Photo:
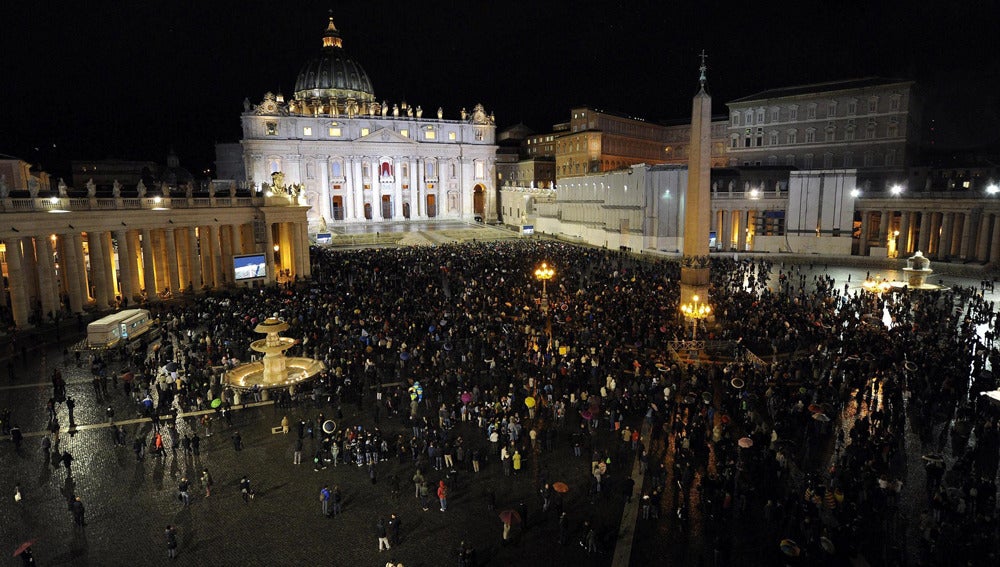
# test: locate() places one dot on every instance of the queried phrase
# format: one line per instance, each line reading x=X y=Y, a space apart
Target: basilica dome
x=332 y=74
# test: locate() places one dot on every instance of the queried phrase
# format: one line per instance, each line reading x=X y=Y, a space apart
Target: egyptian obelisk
x=697 y=206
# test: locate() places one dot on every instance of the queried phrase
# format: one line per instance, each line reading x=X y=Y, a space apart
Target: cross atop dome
x=332 y=37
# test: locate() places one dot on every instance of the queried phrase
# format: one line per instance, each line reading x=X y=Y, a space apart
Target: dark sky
x=132 y=79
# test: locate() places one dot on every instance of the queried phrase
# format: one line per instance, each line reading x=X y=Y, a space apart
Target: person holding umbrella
x=24 y=550
x=509 y=518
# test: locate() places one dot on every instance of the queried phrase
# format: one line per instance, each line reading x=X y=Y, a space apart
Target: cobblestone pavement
x=129 y=503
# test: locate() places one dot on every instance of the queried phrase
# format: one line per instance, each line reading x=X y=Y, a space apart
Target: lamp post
x=544 y=273
x=695 y=311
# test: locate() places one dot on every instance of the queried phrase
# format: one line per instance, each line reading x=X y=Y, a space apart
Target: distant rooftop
x=821 y=87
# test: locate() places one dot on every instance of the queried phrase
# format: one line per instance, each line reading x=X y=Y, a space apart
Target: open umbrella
x=404 y=356
x=706 y=397
x=827 y=545
x=690 y=399
x=994 y=395
x=821 y=417
x=329 y=426
x=816 y=408
x=737 y=383
x=466 y=397
x=790 y=548
x=529 y=402
x=745 y=442
x=560 y=487
x=21 y=548
x=910 y=365
x=171 y=367
x=216 y=403
x=510 y=517
x=585 y=414
x=933 y=458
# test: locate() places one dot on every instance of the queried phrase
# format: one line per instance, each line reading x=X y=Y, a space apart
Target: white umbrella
x=994 y=395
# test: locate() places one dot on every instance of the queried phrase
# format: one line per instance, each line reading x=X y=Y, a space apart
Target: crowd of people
x=798 y=440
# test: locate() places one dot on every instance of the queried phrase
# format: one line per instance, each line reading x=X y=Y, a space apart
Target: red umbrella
x=510 y=517
x=466 y=397
x=745 y=442
x=24 y=546
x=585 y=414
x=560 y=487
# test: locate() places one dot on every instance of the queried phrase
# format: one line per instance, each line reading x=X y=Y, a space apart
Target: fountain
x=917 y=270
x=275 y=370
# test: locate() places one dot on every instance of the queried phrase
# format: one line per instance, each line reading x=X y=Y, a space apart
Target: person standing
x=324 y=499
x=171 y=535
x=337 y=498
x=423 y=492
x=237 y=441
x=442 y=493
x=207 y=481
x=380 y=532
x=182 y=489
x=78 y=512
x=297 y=456
x=195 y=443
x=394 y=526
x=245 y=489
x=284 y=425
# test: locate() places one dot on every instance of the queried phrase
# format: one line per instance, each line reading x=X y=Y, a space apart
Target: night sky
x=133 y=79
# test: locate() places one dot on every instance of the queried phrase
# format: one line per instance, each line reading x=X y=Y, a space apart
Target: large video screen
x=249 y=267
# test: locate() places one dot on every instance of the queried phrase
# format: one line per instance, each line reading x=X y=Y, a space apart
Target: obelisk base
x=694 y=281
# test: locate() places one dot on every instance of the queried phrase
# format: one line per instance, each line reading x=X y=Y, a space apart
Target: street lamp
x=992 y=189
x=695 y=311
x=544 y=272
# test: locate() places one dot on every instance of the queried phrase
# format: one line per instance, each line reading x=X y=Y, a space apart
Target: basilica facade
x=354 y=159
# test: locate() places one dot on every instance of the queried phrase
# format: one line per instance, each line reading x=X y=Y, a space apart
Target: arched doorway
x=368 y=211
x=386 y=207
x=479 y=200
x=406 y=210
x=431 y=208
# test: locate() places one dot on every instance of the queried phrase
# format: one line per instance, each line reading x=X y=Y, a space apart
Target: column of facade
x=982 y=252
x=226 y=243
x=295 y=237
x=126 y=264
x=359 y=189
x=82 y=275
x=237 y=230
x=865 y=227
x=306 y=262
x=935 y=243
x=72 y=265
x=944 y=249
x=46 y=276
x=324 y=192
x=97 y=272
x=924 y=229
x=741 y=230
x=417 y=190
x=725 y=230
x=958 y=228
x=135 y=264
x=15 y=281
x=216 y=256
x=966 y=241
x=109 y=263
x=902 y=242
x=183 y=258
x=170 y=260
x=148 y=270
x=194 y=258
x=913 y=232
x=414 y=185
x=205 y=248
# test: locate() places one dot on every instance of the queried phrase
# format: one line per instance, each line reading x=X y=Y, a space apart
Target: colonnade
x=49 y=274
x=734 y=228
x=964 y=235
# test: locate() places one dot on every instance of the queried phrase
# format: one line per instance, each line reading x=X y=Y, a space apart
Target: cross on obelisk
x=703 y=68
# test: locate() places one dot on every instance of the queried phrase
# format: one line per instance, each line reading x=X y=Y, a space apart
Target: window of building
x=890 y=157
x=811 y=112
x=335 y=132
x=894 y=101
x=759 y=139
x=310 y=170
x=404 y=133
x=734 y=142
x=365 y=132
x=366 y=171
x=807 y=161
x=735 y=120
x=872 y=104
x=848 y=159
x=452 y=136
x=831 y=109
x=772 y=139
x=793 y=113
x=271 y=128
x=810 y=136
x=405 y=169
x=748 y=118
x=430 y=135
x=760 y=116
x=790 y=160
x=430 y=169
x=849 y=133
x=892 y=130
x=870 y=130
x=307 y=131
x=827 y=160
x=867 y=159
x=479 y=134
x=452 y=170
x=772 y=160
x=336 y=169
x=793 y=136
x=775 y=114
x=274 y=165
x=852 y=107
x=830 y=134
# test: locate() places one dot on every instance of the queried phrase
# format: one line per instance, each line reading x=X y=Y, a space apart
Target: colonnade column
x=925 y=232
x=944 y=241
x=226 y=245
x=97 y=272
x=15 y=280
x=194 y=258
x=237 y=230
x=982 y=254
x=865 y=228
x=304 y=239
x=903 y=241
x=966 y=241
x=148 y=271
x=216 y=256
x=726 y=230
x=883 y=228
x=741 y=230
x=46 y=276
x=72 y=265
x=134 y=248
x=324 y=191
x=126 y=265
x=82 y=272
x=109 y=265
x=183 y=258
x=171 y=260
x=995 y=247
x=957 y=228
